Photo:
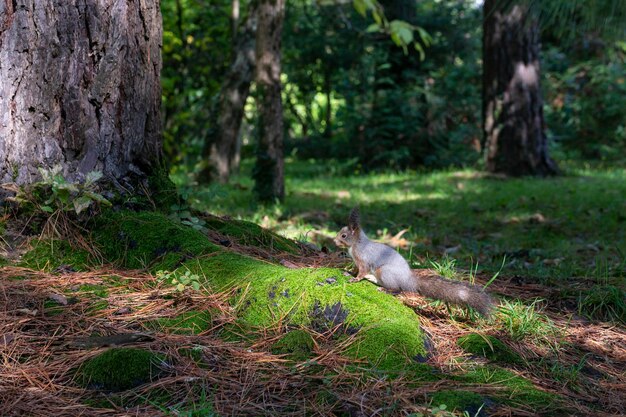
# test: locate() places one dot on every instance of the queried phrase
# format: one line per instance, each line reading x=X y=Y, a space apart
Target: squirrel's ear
x=354 y=221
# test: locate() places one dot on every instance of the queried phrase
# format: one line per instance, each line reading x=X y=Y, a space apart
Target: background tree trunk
x=269 y=171
x=221 y=150
x=513 y=124
x=79 y=87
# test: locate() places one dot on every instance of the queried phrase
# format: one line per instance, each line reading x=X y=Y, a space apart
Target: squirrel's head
x=349 y=235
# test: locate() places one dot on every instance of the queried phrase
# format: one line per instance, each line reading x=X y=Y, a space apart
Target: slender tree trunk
x=328 y=90
x=515 y=139
x=268 y=171
x=80 y=88
x=221 y=148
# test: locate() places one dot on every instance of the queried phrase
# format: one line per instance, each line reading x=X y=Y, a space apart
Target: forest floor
x=556 y=346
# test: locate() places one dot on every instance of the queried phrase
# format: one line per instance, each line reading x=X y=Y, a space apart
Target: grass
x=548 y=229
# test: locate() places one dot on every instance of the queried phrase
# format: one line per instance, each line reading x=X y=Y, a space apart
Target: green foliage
x=54 y=193
x=196 y=54
x=119 y=369
x=182 y=281
x=586 y=104
x=388 y=109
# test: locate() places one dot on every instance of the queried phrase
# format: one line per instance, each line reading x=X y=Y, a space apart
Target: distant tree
x=269 y=168
x=513 y=122
x=80 y=88
x=221 y=151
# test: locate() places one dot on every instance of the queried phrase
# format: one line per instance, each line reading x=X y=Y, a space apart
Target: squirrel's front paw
x=356 y=279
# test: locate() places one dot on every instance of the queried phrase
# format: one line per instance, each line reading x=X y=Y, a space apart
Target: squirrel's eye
x=344 y=236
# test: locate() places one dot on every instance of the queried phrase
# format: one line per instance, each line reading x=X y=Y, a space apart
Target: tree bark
x=513 y=124
x=80 y=88
x=221 y=148
x=269 y=171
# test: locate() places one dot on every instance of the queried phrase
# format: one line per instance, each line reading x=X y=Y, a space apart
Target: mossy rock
x=489 y=347
x=139 y=240
x=456 y=400
x=389 y=331
x=120 y=369
x=251 y=234
x=297 y=345
x=48 y=255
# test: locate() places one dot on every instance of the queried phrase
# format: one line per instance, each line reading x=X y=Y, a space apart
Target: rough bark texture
x=221 y=150
x=269 y=170
x=79 y=87
x=513 y=123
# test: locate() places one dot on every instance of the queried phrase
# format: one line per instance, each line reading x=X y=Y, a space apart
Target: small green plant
x=446 y=267
x=604 y=302
x=55 y=194
x=181 y=282
x=182 y=213
x=525 y=321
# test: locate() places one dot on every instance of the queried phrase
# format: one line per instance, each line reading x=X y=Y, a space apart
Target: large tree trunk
x=80 y=88
x=269 y=170
x=515 y=139
x=220 y=152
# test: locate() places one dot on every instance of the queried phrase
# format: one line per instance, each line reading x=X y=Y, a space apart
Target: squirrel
x=385 y=267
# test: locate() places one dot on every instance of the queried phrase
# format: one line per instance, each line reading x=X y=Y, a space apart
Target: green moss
x=163 y=191
x=48 y=255
x=251 y=234
x=420 y=372
x=147 y=238
x=119 y=369
x=518 y=390
x=489 y=347
x=296 y=344
x=97 y=290
x=190 y=322
x=459 y=401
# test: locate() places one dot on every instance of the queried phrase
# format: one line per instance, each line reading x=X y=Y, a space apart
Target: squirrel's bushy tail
x=456 y=292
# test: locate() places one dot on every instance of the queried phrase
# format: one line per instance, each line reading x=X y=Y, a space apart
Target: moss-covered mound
x=489 y=347
x=250 y=234
x=119 y=369
x=321 y=297
x=148 y=239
